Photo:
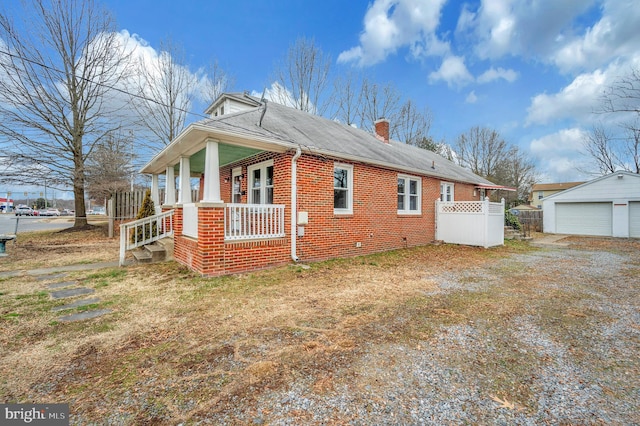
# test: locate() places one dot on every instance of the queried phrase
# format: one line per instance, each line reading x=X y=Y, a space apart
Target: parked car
x=24 y=211
x=50 y=212
x=67 y=212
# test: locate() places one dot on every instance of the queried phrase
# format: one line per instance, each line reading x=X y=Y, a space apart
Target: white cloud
x=393 y=24
x=453 y=71
x=278 y=94
x=560 y=155
x=497 y=73
x=578 y=100
x=565 y=140
x=507 y=27
x=581 y=98
x=615 y=34
x=471 y=98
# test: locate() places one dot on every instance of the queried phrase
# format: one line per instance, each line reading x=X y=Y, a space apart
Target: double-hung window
x=446 y=191
x=261 y=183
x=409 y=199
x=342 y=189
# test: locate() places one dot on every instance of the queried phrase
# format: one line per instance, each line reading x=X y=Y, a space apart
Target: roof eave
x=194 y=138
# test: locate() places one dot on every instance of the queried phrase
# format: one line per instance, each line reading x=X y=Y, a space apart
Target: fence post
x=485 y=218
x=123 y=245
x=111 y=216
x=437 y=218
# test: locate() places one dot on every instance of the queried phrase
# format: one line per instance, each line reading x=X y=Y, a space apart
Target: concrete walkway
x=551 y=240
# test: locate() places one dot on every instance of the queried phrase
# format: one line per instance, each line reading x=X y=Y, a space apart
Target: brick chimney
x=382 y=129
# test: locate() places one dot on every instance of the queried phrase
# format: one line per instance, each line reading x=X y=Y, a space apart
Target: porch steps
x=158 y=251
x=513 y=234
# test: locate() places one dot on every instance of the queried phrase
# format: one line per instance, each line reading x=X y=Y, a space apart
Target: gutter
x=294 y=203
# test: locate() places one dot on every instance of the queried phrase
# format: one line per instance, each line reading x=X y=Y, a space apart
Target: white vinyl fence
x=472 y=223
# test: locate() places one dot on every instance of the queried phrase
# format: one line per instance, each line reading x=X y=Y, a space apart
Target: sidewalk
x=57 y=269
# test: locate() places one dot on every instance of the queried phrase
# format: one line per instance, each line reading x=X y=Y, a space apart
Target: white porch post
x=184 y=191
x=211 y=174
x=170 y=187
x=155 y=193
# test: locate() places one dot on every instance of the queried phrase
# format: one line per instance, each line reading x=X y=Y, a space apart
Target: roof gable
x=626 y=184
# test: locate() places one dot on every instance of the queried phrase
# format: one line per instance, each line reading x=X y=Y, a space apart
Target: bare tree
x=481 y=150
x=304 y=74
x=378 y=102
x=110 y=166
x=56 y=70
x=412 y=126
x=632 y=147
x=347 y=99
x=517 y=171
x=617 y=146
x=599 y=145
x=623 y=96
x=216 y=81
x=164 y=93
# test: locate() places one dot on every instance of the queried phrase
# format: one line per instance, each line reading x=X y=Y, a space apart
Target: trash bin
x=3 y=243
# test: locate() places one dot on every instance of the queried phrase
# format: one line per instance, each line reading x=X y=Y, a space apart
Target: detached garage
x=606 y=206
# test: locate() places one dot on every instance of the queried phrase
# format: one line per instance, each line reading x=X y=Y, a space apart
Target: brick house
x=279 y=185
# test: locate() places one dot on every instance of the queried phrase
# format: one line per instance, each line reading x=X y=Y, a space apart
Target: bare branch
x=55 y=80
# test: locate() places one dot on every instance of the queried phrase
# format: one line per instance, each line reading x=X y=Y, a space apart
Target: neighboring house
x=539 y=191
x=606 y=206
x=278 y=184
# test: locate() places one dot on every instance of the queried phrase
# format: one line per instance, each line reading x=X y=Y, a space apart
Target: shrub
x=512 y=220
x=146 y=210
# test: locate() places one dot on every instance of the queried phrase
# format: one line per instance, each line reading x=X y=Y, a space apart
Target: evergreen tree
x=146 y=210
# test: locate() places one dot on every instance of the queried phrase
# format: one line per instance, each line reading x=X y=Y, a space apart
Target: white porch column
x=211 y=174
x=170 y=187
x=155 y=193
x=184 y=191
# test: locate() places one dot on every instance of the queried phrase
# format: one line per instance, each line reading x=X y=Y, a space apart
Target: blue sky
x=531 y=69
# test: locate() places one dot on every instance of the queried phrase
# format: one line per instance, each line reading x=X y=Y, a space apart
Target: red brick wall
x=375 y=223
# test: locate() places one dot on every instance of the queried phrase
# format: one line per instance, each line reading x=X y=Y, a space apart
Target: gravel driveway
x=546 y=337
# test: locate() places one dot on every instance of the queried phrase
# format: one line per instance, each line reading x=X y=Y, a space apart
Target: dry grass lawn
x=179 y=347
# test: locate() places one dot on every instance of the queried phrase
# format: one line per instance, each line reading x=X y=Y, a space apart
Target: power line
x=117 y=89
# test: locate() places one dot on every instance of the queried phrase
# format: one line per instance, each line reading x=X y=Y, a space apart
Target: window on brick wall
x=409 y=199
x=446 y=191
x=342 y=189
x=261 y=183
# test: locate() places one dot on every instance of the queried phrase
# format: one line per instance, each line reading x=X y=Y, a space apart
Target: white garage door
x=583 y=218
x=634 y=219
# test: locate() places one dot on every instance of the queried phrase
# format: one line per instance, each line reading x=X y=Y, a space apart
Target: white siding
x=634 y=219
x=618 y=190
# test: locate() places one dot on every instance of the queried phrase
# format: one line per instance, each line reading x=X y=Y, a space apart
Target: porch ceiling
x=227 y=154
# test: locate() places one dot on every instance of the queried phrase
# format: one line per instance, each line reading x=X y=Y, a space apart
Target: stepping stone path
x=71 y=292
x=76 y=304
x=70 y=289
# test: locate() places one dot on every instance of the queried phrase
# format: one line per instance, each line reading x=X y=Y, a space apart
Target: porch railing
x=145 y=231
x=252 y=221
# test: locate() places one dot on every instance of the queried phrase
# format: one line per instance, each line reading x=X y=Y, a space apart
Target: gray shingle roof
x=319 y=135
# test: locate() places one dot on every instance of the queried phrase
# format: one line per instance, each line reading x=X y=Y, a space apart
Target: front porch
x=237 y=225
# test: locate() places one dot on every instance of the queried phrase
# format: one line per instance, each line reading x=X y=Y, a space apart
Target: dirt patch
x=438 y=334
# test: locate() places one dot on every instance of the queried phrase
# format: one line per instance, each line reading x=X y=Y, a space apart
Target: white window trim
x=349 y=168
x=236 y=172
x=263 y=181
x=406 y=210
x=445 y=184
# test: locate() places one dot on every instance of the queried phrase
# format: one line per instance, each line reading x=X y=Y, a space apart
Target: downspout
x=294 y=204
